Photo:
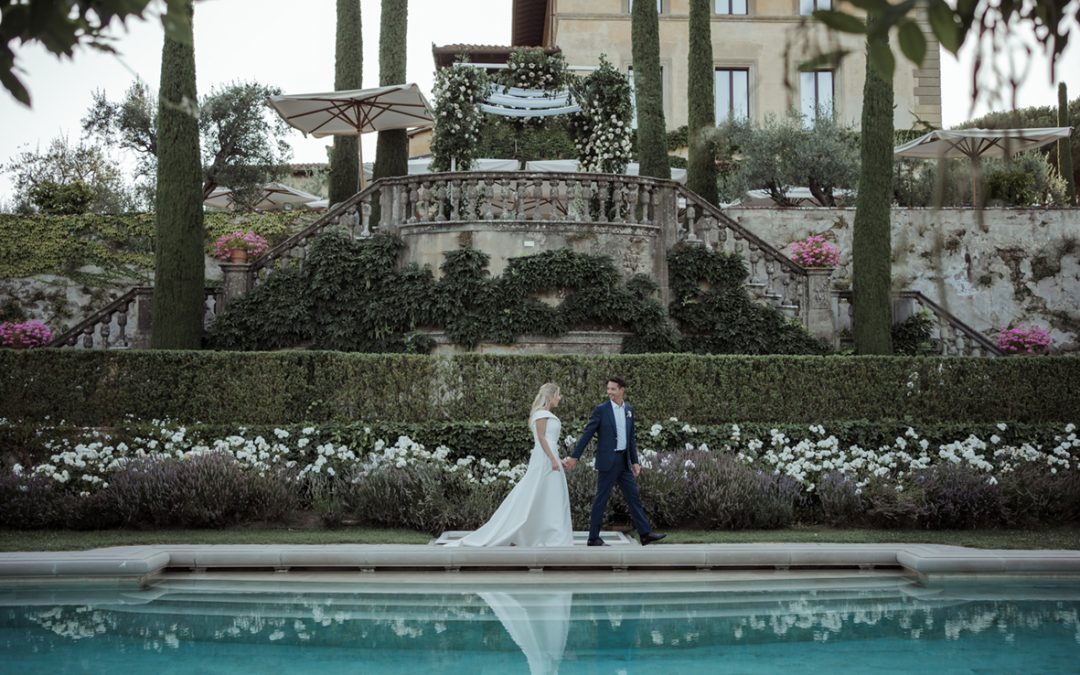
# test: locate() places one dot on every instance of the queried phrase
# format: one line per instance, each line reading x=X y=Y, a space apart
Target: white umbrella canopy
x=978 y=143
x=274 y=196
x=355 y=112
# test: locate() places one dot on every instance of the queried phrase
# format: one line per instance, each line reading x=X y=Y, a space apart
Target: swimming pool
x=630 y=622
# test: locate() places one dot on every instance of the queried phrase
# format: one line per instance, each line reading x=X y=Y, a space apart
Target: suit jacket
x=602 y=425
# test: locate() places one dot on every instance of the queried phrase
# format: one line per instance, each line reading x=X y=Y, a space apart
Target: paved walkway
x=140 y=562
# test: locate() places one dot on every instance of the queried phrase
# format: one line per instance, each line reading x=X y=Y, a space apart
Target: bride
x=537 y=510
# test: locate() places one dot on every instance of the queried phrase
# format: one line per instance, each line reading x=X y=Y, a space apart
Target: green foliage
x=716 y=316
x=701 y=171
x=458 y=91
x=68 y=178
x=1039 y=116
x=1027 y=179
x=179 y=265
x=871 y=243
x=392 y=147
x=781 y=154
x=101 y=388
x=41 y=244
x=62 y=26
x=533 y=68
x=348 y=74
x=648 y=90
x=502 y=137
x=602 y=130
x=243 y=140
x=914 y=335
x=352 y=296
x=62 y=199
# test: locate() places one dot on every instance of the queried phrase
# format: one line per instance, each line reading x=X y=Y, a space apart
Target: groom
x=616 y=461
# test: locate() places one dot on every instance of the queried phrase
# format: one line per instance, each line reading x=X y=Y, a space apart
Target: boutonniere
x=629 y=414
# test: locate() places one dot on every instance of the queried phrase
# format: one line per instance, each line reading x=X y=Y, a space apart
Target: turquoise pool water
x=543 y=623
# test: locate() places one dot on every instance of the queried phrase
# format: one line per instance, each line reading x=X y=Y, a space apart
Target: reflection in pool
x=543 y=623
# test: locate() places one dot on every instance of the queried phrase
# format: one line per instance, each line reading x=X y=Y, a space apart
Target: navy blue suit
x=612 y=467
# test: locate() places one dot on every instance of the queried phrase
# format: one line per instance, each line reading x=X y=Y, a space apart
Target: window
x=807 y=7
x=732 y=87
x=633 y=95
x=729 y=6
x=816 y=93
x=659 y=6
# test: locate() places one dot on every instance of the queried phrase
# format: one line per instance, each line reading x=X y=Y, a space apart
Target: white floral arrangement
x=459 y=89
x=602 y=130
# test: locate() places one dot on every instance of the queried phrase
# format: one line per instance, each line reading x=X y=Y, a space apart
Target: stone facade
x=993 y=269
x=769 y=41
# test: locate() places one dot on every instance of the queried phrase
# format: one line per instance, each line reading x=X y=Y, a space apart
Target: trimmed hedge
x=99 y=388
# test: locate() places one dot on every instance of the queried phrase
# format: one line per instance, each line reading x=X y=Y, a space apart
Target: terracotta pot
x=238 y=255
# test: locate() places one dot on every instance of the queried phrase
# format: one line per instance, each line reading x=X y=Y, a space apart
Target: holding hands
x=569 y=463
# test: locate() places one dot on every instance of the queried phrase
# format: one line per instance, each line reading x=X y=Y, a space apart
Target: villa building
x=757 y=48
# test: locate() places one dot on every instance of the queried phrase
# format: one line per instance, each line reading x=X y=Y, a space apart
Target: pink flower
x=28 y=334
x=815 y=251
x=249 y=241
x=1023 y=340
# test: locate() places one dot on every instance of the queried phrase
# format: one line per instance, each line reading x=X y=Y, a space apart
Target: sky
x=290 y=44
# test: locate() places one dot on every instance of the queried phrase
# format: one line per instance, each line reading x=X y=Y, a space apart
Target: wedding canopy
x=516 y=102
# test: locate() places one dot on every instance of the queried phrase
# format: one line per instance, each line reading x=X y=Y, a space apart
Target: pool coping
x=142 y=562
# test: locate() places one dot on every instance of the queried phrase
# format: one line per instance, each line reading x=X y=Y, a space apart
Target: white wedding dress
x=537 y=510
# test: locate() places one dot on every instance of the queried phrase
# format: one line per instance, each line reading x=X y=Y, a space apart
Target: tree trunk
x=178 y=300
x=348 y=74
x=392 y=151
x=648 y=91
x=701 y=118
x=1064 y=145
x=871 y=246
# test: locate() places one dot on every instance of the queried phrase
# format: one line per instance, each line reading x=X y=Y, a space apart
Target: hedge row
x=98 y=388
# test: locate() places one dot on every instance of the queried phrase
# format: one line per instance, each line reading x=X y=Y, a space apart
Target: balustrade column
x=819 y=319
x=237 y=283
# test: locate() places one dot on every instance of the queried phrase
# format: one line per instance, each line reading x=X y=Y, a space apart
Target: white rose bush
x=714 y=476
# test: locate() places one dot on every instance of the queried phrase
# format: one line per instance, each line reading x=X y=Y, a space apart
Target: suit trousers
x=621 y=475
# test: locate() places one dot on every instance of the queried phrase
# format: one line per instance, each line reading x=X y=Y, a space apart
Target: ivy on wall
x=40 y=244
x=352 y=296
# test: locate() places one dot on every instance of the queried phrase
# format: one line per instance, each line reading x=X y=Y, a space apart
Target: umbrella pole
x=974 y=182
x=360 y=152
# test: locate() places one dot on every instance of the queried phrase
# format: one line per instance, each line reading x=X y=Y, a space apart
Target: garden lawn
x=68 y=540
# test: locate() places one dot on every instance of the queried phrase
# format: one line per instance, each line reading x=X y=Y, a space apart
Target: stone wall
x=993 y=269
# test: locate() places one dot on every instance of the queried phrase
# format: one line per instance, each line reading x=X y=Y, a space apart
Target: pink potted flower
x=238 y=246
x=26 y=335
x=1024 y=340
x=815 y=251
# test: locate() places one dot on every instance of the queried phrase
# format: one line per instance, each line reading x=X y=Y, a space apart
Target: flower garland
x=602 y=129
x=458 y=91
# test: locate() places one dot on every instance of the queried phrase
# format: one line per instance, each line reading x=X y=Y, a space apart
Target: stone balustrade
x=125 y=323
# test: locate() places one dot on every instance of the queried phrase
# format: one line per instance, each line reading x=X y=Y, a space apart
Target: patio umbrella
x=978 y=143
x=355 y=112
x=273 y=196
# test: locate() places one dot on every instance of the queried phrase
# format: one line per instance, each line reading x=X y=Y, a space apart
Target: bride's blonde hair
x=548 y=391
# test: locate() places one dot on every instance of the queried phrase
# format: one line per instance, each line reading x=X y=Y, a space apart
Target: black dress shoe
x=649 y=538
x=598 y=542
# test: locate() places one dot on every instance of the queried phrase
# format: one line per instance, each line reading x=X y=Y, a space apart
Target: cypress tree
x=701 y=117
x=348 y=74
x=871 y=245
x=392 y=151
x=1064 y=145
x=178 y=251
x=648 y=90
